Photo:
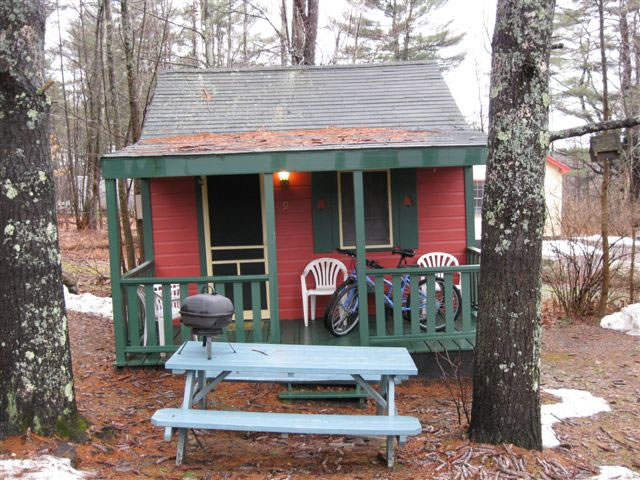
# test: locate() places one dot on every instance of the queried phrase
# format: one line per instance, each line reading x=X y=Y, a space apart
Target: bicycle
x=342 y=313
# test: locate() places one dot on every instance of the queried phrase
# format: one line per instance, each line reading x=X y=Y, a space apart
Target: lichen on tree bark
x=506 y=389
x=36 y=385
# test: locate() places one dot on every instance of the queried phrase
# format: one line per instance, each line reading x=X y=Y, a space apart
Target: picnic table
x=367 y=366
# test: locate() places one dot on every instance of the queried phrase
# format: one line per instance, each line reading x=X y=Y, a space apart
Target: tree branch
x=594 y=127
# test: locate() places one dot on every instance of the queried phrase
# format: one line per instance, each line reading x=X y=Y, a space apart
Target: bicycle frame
x=405 y=281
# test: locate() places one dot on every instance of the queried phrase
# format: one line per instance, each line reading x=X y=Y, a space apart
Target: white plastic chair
x=325 y=274
x=158 y=310
x=439 y=259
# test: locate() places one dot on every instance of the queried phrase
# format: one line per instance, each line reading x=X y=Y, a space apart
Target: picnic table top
x=280 y=358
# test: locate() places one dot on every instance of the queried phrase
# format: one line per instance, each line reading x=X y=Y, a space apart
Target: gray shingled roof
x=403 y=96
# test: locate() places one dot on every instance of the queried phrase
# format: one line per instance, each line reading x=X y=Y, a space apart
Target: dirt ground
x=123 y=444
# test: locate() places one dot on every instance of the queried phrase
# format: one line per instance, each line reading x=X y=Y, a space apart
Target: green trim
x=358 y=203
x=119 y=327
x=272 y=264
x=201 y=237
x=143 y=268
x=296 y=161
x=469 y=207
x=147 y=220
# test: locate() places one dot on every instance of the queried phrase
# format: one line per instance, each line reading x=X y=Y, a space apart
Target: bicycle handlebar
x=369 y=263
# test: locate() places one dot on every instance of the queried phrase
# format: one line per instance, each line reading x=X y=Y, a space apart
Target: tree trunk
x=207 y=32
x=117 y=139
x=36 y=385
x=604 y=190
x=284 y=34
x=135 y=126
x=94 y=93
x=310 y=32
x=297 y=32
x=506 y=382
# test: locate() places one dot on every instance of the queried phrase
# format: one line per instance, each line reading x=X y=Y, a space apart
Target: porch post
x=147 y=225
x=119 y=326
x=469 y=207
x=358 y=203
x=272 y=264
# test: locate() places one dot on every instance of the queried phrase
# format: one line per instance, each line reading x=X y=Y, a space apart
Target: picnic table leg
x=201 y=385
x=391 y=411
x=390 y=452
x=186 y=404
x=384 y=379
x=182 y=445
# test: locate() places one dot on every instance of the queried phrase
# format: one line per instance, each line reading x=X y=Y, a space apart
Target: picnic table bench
x=273 y=362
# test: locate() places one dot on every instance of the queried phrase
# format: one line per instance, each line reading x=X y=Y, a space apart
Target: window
x=478 y=192
x=390 y=204
x=377 y=209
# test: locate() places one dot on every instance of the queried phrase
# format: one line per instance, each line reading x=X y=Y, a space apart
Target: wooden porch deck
x=294 y=332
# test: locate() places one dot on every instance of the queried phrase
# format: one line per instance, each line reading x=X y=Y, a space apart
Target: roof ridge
x=280 y=68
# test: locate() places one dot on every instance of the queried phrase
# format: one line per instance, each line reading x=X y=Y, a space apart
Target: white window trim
x=389 y=210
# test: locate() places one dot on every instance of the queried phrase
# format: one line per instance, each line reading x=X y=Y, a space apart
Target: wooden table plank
x=321 y=359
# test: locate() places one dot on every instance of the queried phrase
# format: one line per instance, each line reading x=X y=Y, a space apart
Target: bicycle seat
x=404 y=252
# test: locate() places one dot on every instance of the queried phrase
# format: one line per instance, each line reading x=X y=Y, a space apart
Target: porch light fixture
x=284 y=178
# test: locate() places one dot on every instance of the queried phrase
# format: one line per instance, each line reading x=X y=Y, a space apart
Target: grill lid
x=207 y=305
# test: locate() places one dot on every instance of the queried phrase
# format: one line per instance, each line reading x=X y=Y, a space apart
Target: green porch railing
x=398 y=330
x=143 y=294
x=473 y=258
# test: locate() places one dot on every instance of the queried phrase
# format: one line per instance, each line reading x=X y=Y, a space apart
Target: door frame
x=206 y=221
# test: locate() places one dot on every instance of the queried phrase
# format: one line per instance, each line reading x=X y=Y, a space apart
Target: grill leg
x=208 y=339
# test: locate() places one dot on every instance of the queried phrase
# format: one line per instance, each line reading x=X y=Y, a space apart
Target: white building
x=554 y=170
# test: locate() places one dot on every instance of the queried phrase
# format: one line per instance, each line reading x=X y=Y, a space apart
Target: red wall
x=175 y=227
x=441 y=227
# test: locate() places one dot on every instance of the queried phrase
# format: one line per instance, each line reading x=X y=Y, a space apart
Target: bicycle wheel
x=440 y=304
x=342 y=314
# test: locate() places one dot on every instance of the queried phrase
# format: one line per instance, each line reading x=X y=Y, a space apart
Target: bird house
x=605 y=147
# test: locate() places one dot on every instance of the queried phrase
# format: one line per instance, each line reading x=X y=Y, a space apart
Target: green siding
x=405 y=217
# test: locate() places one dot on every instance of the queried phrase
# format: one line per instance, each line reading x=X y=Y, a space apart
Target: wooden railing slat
x=415 y=304
x=256 y=306
x=133 y=315
x=396 y=284
x=465 y=289
x=381 y=314
x=150 y=315
x=238 y=302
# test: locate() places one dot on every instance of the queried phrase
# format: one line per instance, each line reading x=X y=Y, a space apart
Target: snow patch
x=626 y=320
x=614 y=472
x=88 y=303
x=575 y=403
x=44 y=467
